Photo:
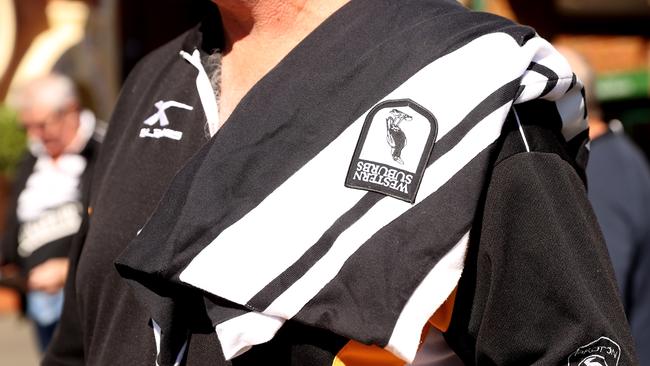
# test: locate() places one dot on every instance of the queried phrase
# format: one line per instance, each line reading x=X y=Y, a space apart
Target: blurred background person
x=94 y=42
x=618 y=180
x=47 y=202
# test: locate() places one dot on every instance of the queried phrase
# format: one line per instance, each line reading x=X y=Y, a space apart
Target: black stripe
x=493 y=102
x=574 y=81
x=578 y=151
x=220 y=310
x=281 y=283
x=520 y=91
x=584 y=101
x=290 y=275
x=548 y=73
x=408 y=249
x=540 y=112
x=521 y=34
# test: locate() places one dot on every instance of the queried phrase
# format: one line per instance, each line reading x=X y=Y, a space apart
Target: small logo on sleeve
x=393 y=149
x=601 y=352
x=160 y=118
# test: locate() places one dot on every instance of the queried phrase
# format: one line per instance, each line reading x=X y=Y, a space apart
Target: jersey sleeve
x=538 y=286
x=639 y=299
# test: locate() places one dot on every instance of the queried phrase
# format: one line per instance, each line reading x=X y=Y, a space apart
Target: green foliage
x=12 y=141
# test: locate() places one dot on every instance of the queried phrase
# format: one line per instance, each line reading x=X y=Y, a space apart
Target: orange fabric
x=442 y=317
x=358 y=354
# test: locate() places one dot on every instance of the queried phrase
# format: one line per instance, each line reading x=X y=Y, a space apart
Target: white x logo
x=161 y=117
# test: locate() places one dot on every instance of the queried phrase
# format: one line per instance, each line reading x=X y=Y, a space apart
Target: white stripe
x=560 y=66
x=569 y=101
x=521 y=129
x=381 y=214
x=157 y=335
x=206 y=93
x=534 y=85
x=292 y=300
x=430 y=294
x=239 y=334
x=276 y=233
x=535 y=82
x=573 y=121
x=181 y=354
x=319 y=184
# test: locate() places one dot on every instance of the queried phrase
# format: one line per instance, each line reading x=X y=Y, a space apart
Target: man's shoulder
x=161 y=57
x=461 y=22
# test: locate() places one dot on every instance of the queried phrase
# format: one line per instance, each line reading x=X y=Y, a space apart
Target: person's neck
x=257 y=35
x=274 y=20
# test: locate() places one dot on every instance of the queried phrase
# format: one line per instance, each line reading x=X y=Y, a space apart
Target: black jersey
x=300 y=227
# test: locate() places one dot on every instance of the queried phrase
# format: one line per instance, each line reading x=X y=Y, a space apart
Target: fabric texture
x=254 y=235
x=619 y=190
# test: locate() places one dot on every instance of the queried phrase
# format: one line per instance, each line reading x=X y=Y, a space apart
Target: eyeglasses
x=53 y=119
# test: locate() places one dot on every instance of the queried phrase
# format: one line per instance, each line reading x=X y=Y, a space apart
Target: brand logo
x=601 y=352
x=393 y=149
x=160 y=118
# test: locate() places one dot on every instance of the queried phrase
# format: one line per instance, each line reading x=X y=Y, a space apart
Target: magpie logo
x=160 y=117
x=394 y=170
x=395 y=136
x=601 y=352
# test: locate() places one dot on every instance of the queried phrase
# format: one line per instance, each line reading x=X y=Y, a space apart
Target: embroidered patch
x=393 y=149
x=601 y=352
x=160 y=117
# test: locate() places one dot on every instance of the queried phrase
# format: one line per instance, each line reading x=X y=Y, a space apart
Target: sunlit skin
x=48 y=276
x=258 y=34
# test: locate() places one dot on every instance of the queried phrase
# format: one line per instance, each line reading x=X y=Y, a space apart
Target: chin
x=54 y=152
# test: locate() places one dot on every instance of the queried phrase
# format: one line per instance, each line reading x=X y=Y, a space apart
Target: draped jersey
x=351 y=198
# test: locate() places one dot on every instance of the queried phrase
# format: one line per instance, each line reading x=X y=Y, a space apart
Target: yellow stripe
x=337 y=362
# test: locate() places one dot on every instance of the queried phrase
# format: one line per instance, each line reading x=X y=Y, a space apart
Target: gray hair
x=53 y=90
x=213 y=65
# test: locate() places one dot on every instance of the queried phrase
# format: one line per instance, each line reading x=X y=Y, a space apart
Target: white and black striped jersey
x=372 y=185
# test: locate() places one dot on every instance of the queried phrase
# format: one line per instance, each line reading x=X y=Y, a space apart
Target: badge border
x=424 y=158
x=618 y=358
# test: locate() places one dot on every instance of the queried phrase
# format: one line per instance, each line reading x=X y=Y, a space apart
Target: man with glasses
x=47 y=205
